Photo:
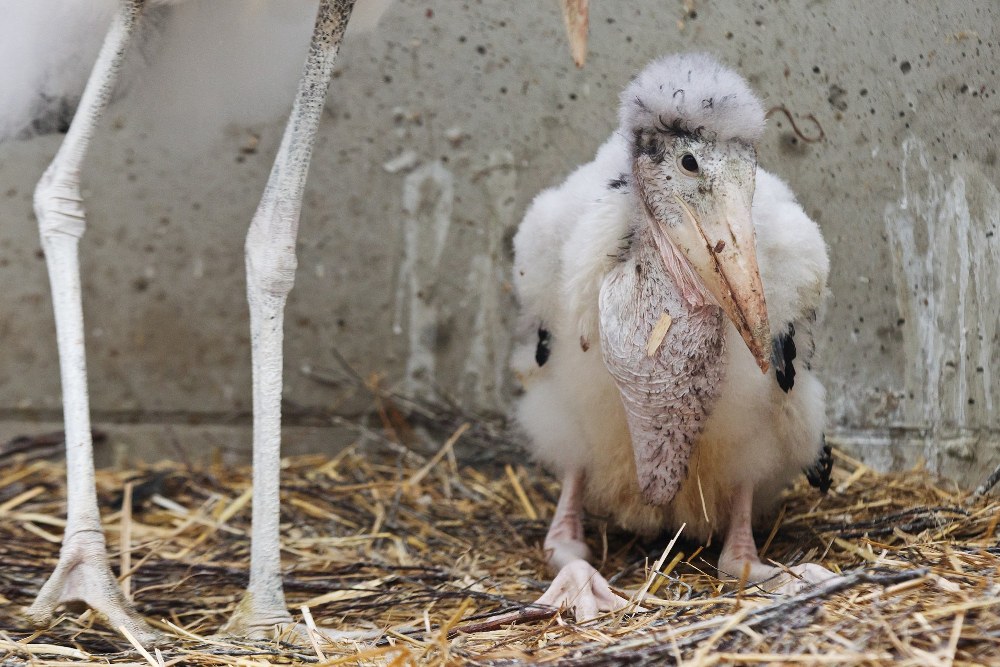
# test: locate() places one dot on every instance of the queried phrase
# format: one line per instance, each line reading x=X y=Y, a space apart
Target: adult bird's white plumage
x=54 y=32
x=643 y=280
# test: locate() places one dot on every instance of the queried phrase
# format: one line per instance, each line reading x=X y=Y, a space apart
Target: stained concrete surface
x=440 y=129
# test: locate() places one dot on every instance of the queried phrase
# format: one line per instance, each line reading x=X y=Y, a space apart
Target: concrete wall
x=440 y=129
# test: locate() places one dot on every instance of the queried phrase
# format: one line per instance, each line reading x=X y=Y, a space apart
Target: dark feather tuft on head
x=692 y=93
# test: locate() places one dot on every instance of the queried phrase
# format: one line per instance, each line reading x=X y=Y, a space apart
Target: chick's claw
x=799 y=578
x=580 y=587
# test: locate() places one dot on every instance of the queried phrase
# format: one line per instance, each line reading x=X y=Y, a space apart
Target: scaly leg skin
x=82 y=575
x=270 y=260
x=83 y=579
x=739 y=551
x=576 y=584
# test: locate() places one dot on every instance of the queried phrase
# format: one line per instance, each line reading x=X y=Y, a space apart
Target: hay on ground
x=424 y=549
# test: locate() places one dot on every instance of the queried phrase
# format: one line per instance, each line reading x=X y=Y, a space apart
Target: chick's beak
x=576 y=15
x=717 y=238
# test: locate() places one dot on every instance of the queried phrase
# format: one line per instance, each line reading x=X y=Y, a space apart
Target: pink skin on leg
x=576 y=584
x=564 y=541
x=739 y=551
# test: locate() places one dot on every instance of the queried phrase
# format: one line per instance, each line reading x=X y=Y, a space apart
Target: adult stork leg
x=82 y=575
x=739 y=554
x=576 y=584
x=270 y=263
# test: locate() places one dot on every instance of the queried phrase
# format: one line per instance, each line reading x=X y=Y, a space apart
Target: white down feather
x=571 y=409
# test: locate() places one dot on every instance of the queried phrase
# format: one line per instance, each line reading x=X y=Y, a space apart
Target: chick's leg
x=577 y=584
x=739 y=553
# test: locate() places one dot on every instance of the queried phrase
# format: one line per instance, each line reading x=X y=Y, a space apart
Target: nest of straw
x=425 y=550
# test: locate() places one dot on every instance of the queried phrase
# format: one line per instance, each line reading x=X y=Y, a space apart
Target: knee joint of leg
x=271 y=269
x=59 y=206
x=270 y=248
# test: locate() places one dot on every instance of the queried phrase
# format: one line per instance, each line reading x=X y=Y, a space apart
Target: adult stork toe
x=83 y=579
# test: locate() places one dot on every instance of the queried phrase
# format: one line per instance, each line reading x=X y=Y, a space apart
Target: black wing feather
x=544 y=346
x=782 y=355
x=820 y=473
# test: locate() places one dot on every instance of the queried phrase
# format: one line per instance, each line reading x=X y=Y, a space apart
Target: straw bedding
x=422 y=548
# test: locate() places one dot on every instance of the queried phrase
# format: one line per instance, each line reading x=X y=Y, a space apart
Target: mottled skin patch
x=668 y=396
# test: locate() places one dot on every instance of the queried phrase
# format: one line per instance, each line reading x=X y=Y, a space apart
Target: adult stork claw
x=248 y=624
x=255 y=620
x=83 y=578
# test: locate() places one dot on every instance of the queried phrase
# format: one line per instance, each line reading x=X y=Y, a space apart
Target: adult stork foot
x=253 y=620
x=250 y=623
x=581 y=587
x=304 y=634
x=83 y=579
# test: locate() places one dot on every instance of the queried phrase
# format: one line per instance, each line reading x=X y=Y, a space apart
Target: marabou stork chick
x=668 y=291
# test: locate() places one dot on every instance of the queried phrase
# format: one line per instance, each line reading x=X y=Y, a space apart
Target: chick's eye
x=688 y=164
